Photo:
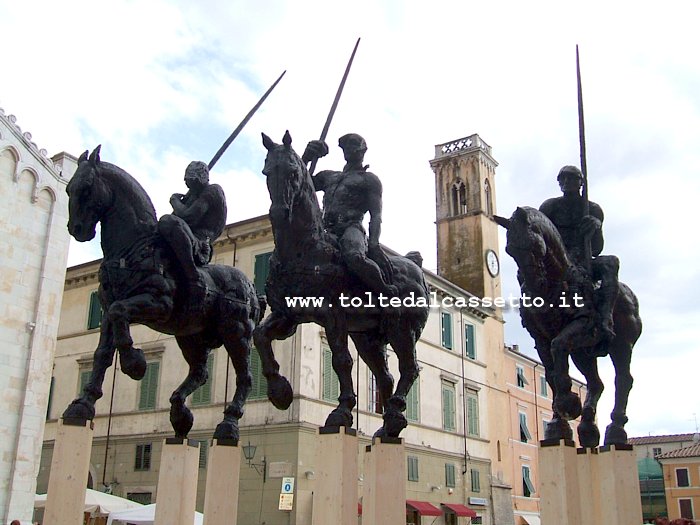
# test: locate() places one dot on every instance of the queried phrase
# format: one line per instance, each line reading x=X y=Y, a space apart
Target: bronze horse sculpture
x=546 y=271
x=140 y=284
x=306 y=262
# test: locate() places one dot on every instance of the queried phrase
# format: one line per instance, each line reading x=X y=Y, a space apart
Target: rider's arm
x=597 y=238
x=320 y=179
x=374 y=206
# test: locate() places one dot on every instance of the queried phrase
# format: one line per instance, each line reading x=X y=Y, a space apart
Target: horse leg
x=238 y=348
x=275 y=326
x=84 y=406
x=372 y=350
x=566 y=402
x=588 y=433
x=558 y=428
x=336 y=330
x=403 y=340
x=142 y=308
x=195 y=351
x=621 y=356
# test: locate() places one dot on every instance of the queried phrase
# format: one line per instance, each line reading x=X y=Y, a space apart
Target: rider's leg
x=605 y=268
x=182 y=241
x=353 y=248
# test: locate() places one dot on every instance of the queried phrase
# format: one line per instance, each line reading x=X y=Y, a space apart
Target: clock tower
x=465 y=202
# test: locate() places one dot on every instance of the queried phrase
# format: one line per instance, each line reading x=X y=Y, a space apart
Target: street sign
x=287 y=486
x=286 y=502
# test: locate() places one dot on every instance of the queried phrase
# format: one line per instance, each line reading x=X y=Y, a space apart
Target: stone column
x=70 y=466
x=620 y=501
x=384 y=487
x=223 y=478
x=176 y=495
x=560 y=499
x=335 y=496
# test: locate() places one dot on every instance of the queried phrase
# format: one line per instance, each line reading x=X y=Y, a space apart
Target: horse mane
x=540 y=222
x=132 y=189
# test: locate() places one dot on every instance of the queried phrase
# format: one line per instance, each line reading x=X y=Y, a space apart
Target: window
x=412 y=468
x=330 y=383
x=656 y=451
x=143 y=457
x=446 y=324
x=476 y=481
x=472 y=412
x=203 y=453
x=477 y=521
x=84 y=378
x=489 y=199
x=682 y=479
x=259 y=388
x=525 y=435
x=528 y=487
x=94 y=311
x=450 y=475
x=686 y=508
x=145 y=498
x=448 y=406
x=543 y=386
x=149 y=387
x=413 y=402
x=375 y=399
x=520 y=376
x=202 y=396
x=262 y=268
x=469 y=342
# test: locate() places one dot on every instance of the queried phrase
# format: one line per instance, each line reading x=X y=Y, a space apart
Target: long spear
x=327 y=125
x=584 y=169
x=236 y=131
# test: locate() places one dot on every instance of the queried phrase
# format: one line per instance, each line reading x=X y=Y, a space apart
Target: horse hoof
x=558 y=429
x=394 y=423
x=181 y=419
x=133 y=363
x=339 y=418
x=615 y=435
x=279 y=392
x=227 y=430
x=80 y=409
x=588 y=434
x=568 y=405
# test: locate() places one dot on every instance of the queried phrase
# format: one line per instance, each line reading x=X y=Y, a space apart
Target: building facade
x=34 y=244
x=682 y=481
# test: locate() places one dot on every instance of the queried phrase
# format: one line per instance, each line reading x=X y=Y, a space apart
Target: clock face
x=492 y=263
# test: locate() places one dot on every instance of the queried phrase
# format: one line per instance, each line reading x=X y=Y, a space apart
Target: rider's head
x=570 y=179
x=197 y=171
x=353 y=147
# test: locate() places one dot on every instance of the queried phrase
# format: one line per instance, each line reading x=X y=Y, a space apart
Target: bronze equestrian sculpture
x=141 y=282
x=546 y=270
x=307 y=262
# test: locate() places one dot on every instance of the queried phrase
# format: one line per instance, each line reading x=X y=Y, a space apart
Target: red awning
x=424 y=508
x=359 y=509
x=460 y=510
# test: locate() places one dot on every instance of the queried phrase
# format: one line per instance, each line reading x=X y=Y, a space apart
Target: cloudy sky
x=161 y=83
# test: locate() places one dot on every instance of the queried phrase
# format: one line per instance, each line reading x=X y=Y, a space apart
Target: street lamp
x=249 y=454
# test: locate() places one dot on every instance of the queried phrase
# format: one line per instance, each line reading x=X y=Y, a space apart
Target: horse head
x=87 y=197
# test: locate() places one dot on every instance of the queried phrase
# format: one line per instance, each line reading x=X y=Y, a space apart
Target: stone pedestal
x=335 y=496
x=384 y=487
x=176 y=495
x=70 y=466
x=620 y=501
x=223 y=478
x=560 y=502
x=588 y=486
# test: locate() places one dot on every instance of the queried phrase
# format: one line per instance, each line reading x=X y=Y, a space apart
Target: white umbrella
x=145 y=515
x=96 y=501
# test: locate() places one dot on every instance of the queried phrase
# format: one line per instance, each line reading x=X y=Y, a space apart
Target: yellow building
x=682 y=481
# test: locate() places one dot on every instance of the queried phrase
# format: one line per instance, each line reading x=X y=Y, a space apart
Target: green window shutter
x=450 y=475
x=412 y=468
x=470 y=344
x=259 y=389
x=413 y=402
x=543 y=386
x=149 y=387
x=476 y=482
x=84 y=378
x=447 y=330
x=202 y=396
x=94 y=311
x=525 y=435
x=472 y=414
x=448 y=406
x=331 y=385
x=142 y=461
x=262 y=268
x=203 y=451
